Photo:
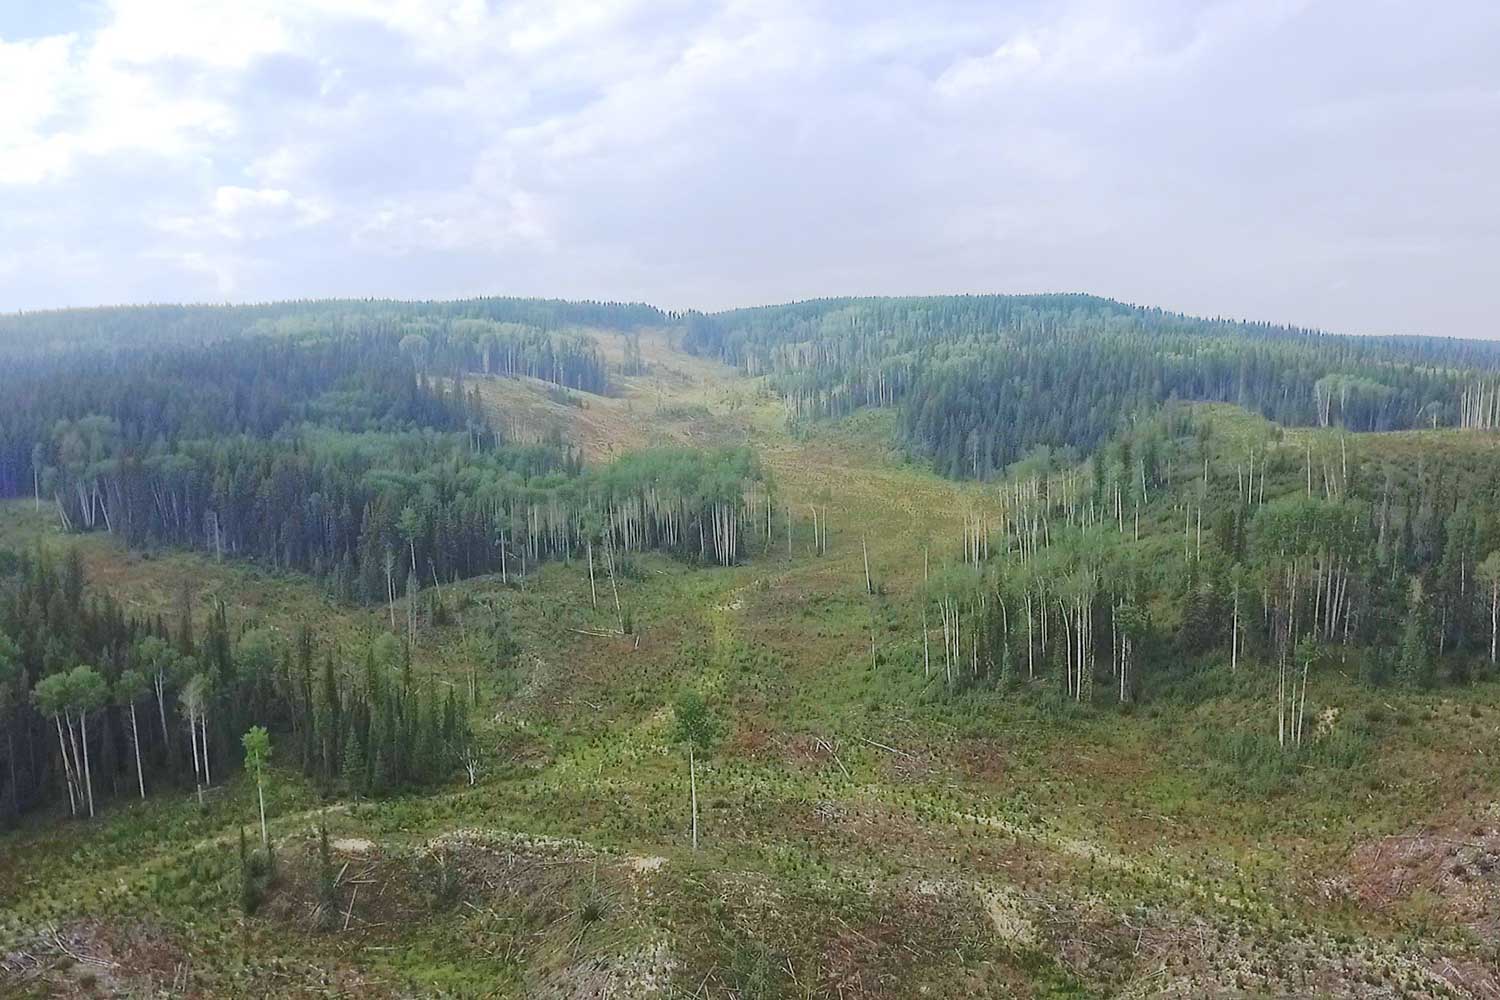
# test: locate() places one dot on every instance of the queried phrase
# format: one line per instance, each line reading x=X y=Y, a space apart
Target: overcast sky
x=1334 y=164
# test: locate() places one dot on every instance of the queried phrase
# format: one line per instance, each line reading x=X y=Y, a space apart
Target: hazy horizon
x=1325 y=165
x=680 y=310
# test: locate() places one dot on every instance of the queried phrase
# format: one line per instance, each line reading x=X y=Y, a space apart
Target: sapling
x=697 y=728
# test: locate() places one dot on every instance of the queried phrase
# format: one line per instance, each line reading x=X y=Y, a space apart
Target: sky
x=1332 y=164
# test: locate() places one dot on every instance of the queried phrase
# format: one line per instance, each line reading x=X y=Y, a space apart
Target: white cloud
x=221 y=269
x=216 y=35
x=464 y=221
x=740 y=150
x=33 y=82
x=241 y=213
x=67 y=97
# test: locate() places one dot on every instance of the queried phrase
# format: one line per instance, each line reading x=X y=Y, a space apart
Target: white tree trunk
x=88 y=778
x=62 y=745
x=161 y=706
x=197 y=764
x=927 y=646
x=1494 y=618
x=865 y=546
x=260 y=791
x=135 y=738
x=208 y=778
x=593 y=592
x=1234 y=635
x=693 y=787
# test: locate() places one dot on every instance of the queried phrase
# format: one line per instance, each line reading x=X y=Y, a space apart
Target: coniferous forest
x=980 y=381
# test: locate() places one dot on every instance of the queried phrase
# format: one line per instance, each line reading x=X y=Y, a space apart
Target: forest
x=1291 y=557
x=1170 y=546
x=103 y=705
x=108 y=329
x=919 y=615
x=334 y=454
x=981 y=381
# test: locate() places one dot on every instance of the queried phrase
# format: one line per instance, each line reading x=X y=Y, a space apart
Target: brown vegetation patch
x=915 y=943
x=808 y=751
x=910 y=765
x=373 y=893
x=860 y=824
x=980 y=759
x=640 y=972
x=95 y=958
x=751 y=739
x=1460 y=869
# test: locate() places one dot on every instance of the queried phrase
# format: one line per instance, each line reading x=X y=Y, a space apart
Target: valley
x=865 y=829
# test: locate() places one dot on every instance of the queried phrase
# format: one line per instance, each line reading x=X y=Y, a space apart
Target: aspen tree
x=52 y=695
x=1307 y=654
x=10 y=695
x=390 y=584
x=130 y=688
x=159 y=661
x=593 y=590
x=1488 y=573
x=194 y=699
x=89 y=693
x=609 y=562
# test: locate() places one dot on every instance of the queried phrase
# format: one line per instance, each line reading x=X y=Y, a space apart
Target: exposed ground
x=863 y=835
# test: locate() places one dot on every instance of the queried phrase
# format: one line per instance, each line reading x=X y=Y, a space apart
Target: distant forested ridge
x=110 y=328
x=980 y=381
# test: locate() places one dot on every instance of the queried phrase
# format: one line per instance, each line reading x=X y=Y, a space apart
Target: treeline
x=1170 y=548
x=377 y=514
x=67 y=425
x=476 y=345
x=330 y=455
x=982 y=380
x=111 y=329
x=490 y=336
x=97 y=706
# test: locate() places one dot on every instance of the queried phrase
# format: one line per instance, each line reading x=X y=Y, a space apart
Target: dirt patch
x=1008 y=916
x=857 y=824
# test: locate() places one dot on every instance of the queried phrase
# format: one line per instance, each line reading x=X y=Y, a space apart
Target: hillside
x=981 y=381
x=901 y=790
